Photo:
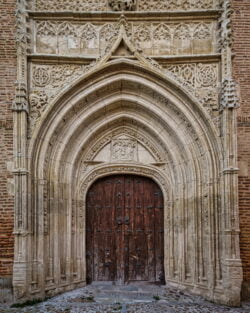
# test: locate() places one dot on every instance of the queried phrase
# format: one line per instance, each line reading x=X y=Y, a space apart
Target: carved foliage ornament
x=56 y=75
x=122 y=5
x=229 y=97
x=226 y=25
x=38 y=101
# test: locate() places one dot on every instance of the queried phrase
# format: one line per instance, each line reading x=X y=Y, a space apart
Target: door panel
x=124 y=230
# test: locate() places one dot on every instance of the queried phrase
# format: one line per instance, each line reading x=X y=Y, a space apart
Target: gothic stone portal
x=125 y=230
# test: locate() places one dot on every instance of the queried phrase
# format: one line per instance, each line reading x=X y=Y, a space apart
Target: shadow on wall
x=245 y=294
x=6 y=290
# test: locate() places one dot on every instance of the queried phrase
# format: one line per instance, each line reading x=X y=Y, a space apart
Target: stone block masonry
x=7 y=89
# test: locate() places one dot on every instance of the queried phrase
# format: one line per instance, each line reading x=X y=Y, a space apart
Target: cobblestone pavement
x=105 y=298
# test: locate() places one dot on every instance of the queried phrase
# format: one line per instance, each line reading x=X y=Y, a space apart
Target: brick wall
x=7 y=81
x=241 y=48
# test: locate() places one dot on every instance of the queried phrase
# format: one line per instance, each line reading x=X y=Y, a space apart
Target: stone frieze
x=124 y=5
x=68 y=38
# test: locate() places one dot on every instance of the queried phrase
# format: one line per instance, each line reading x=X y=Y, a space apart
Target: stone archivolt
x=82 y=121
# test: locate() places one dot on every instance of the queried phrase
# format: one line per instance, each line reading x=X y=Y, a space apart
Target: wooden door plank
x=128 y=220
x=119 y=231
x=149 y=212
x=159 y=235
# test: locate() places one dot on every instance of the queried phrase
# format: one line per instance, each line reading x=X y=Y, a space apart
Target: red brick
x=241 y=70
x=7 y=81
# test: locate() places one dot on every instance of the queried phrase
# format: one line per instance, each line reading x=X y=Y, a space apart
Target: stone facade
x=143 y=87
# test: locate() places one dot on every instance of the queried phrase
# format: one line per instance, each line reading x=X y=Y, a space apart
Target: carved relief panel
x=124 y=149
x=202 y=79
x=45 y=83
x=67 y=38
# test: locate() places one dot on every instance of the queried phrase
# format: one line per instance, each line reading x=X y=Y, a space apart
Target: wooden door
x=125 y=230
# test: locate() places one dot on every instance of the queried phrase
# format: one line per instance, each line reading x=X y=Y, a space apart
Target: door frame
x=133 y=169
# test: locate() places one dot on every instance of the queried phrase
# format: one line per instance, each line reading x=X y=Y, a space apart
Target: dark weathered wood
x=125 y=230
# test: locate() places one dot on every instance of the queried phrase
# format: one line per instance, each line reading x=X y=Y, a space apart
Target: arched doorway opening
x=125 y=230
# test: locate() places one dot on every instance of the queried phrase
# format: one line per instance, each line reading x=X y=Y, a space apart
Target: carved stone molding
x=112 y=169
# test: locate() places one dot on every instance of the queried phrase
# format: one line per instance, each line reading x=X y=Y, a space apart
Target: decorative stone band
x=22 y=233
x=231 y=170
x=20 y=171
x=124 y=5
